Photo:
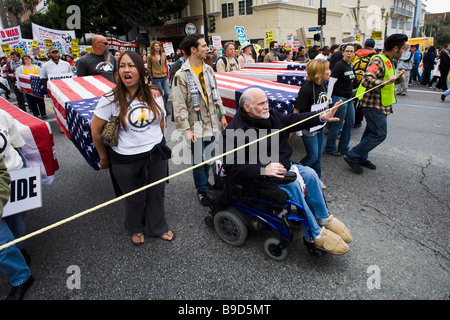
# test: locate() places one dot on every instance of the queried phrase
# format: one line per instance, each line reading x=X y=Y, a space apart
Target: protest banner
x=11 y=35
x=64 y=37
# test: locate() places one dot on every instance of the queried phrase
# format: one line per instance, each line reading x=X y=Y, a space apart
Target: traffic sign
x=312 y=29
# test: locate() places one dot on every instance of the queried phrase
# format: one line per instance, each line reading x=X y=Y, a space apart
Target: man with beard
x=274 y=54
x=99 y=61
x=55 y=66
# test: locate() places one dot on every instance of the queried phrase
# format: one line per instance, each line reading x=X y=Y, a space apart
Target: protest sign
x=26 y=191
x=10 y=35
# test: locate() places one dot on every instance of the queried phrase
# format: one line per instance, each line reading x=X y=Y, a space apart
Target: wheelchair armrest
x=289 y=177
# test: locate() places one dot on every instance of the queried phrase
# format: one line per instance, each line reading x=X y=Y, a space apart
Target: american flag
x=79 y=115
x=62 y=91
x=31 y=85
x=281 y=96
x=277 y=65
x=293 y=77
x=39 y=148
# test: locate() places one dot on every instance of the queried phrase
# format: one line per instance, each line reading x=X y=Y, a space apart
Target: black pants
x=37 y=105
x=144 y=211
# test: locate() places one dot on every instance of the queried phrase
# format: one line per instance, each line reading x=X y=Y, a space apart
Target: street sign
x=312 y=29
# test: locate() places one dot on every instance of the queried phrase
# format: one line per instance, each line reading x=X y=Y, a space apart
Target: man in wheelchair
x=270 y=158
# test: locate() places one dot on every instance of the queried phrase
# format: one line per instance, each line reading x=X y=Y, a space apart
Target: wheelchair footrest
x=312 y=248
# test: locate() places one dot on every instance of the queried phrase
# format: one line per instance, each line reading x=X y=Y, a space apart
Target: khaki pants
x=402 y=88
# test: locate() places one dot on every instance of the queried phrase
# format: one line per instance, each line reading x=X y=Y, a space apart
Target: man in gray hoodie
x=405 y=62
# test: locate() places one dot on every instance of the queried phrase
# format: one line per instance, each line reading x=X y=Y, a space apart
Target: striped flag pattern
x=292 y=77
x=32 y=85
x=39 y=148
x=231 y=86
x=62 y=91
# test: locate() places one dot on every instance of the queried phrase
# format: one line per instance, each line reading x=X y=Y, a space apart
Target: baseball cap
x=245 y=45
x=370 y=43
x=52 y=48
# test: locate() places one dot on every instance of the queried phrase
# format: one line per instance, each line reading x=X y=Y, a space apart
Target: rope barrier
x=104 y=204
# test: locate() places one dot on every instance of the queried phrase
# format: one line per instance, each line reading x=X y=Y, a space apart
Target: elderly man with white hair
x=405 y=62
x=329 y=234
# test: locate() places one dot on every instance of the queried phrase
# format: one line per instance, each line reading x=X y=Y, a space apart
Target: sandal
x=168 y=236
x=140 y=237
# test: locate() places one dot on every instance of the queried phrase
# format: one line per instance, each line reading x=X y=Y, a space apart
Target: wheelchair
x=238 y=206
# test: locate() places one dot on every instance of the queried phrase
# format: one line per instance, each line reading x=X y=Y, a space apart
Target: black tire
x=270 y=249
x=230 y=228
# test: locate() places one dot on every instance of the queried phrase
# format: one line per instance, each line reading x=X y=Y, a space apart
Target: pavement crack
x=424 y=185
x=406 y=236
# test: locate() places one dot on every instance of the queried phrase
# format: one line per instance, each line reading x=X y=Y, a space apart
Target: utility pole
x=321 y=30
x=205 y=22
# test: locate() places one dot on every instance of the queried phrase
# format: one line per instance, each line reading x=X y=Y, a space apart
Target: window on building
x=394 y=23
x=245 y=7
x=311 y=3
x=228 y=10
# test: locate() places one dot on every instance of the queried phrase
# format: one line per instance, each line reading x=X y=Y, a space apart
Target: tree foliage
x=103 y=17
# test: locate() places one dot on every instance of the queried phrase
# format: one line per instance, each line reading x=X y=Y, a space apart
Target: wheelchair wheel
x=230 y=228
x=273 y=251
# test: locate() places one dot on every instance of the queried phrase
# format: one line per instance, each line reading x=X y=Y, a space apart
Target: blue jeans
x=201 y=174
x=163 y=84
x=415 y=75
x=346 y=115
x=314 y=147
x=12 y=262
x=313 y=202
x=447 y=93
x=374 y=134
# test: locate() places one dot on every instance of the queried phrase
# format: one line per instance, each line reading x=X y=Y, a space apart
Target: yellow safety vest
x=388 y=91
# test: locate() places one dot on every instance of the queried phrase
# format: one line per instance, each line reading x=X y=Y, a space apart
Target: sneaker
x=335 y=153
x=330 y=242
x=356 y=168
x=202 y=197
x=443 y=97
x=368 y=165
x=335 y=225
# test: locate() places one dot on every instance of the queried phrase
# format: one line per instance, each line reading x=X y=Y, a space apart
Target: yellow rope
x=104 y=204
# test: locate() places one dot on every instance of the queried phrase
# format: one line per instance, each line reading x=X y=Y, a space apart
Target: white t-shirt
x=143 y=130
x=10 y=138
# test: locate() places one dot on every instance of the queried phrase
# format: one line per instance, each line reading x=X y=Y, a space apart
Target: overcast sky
x=437 y=6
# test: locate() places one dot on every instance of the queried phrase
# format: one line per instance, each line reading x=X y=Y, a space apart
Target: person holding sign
x=36 y=104
x=55 y=67
x=313 y=97
x=12 y=259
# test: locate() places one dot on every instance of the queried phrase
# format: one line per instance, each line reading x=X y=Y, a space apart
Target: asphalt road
x=398 y=215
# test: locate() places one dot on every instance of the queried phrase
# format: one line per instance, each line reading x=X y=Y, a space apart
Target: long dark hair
x=143 y=92
x=430 y=50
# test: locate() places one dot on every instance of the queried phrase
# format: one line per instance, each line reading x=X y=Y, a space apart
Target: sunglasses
x=105 y=43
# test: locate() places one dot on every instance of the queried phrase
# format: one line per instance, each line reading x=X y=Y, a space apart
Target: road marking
x=424 y=91
x=425 y=107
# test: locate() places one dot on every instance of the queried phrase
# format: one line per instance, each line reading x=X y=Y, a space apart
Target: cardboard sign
x=26 y=191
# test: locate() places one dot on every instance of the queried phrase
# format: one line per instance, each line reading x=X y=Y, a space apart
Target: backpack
x=359 y=67
x=225 y=61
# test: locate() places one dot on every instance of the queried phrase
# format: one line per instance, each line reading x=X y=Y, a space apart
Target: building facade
x=344 y=18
